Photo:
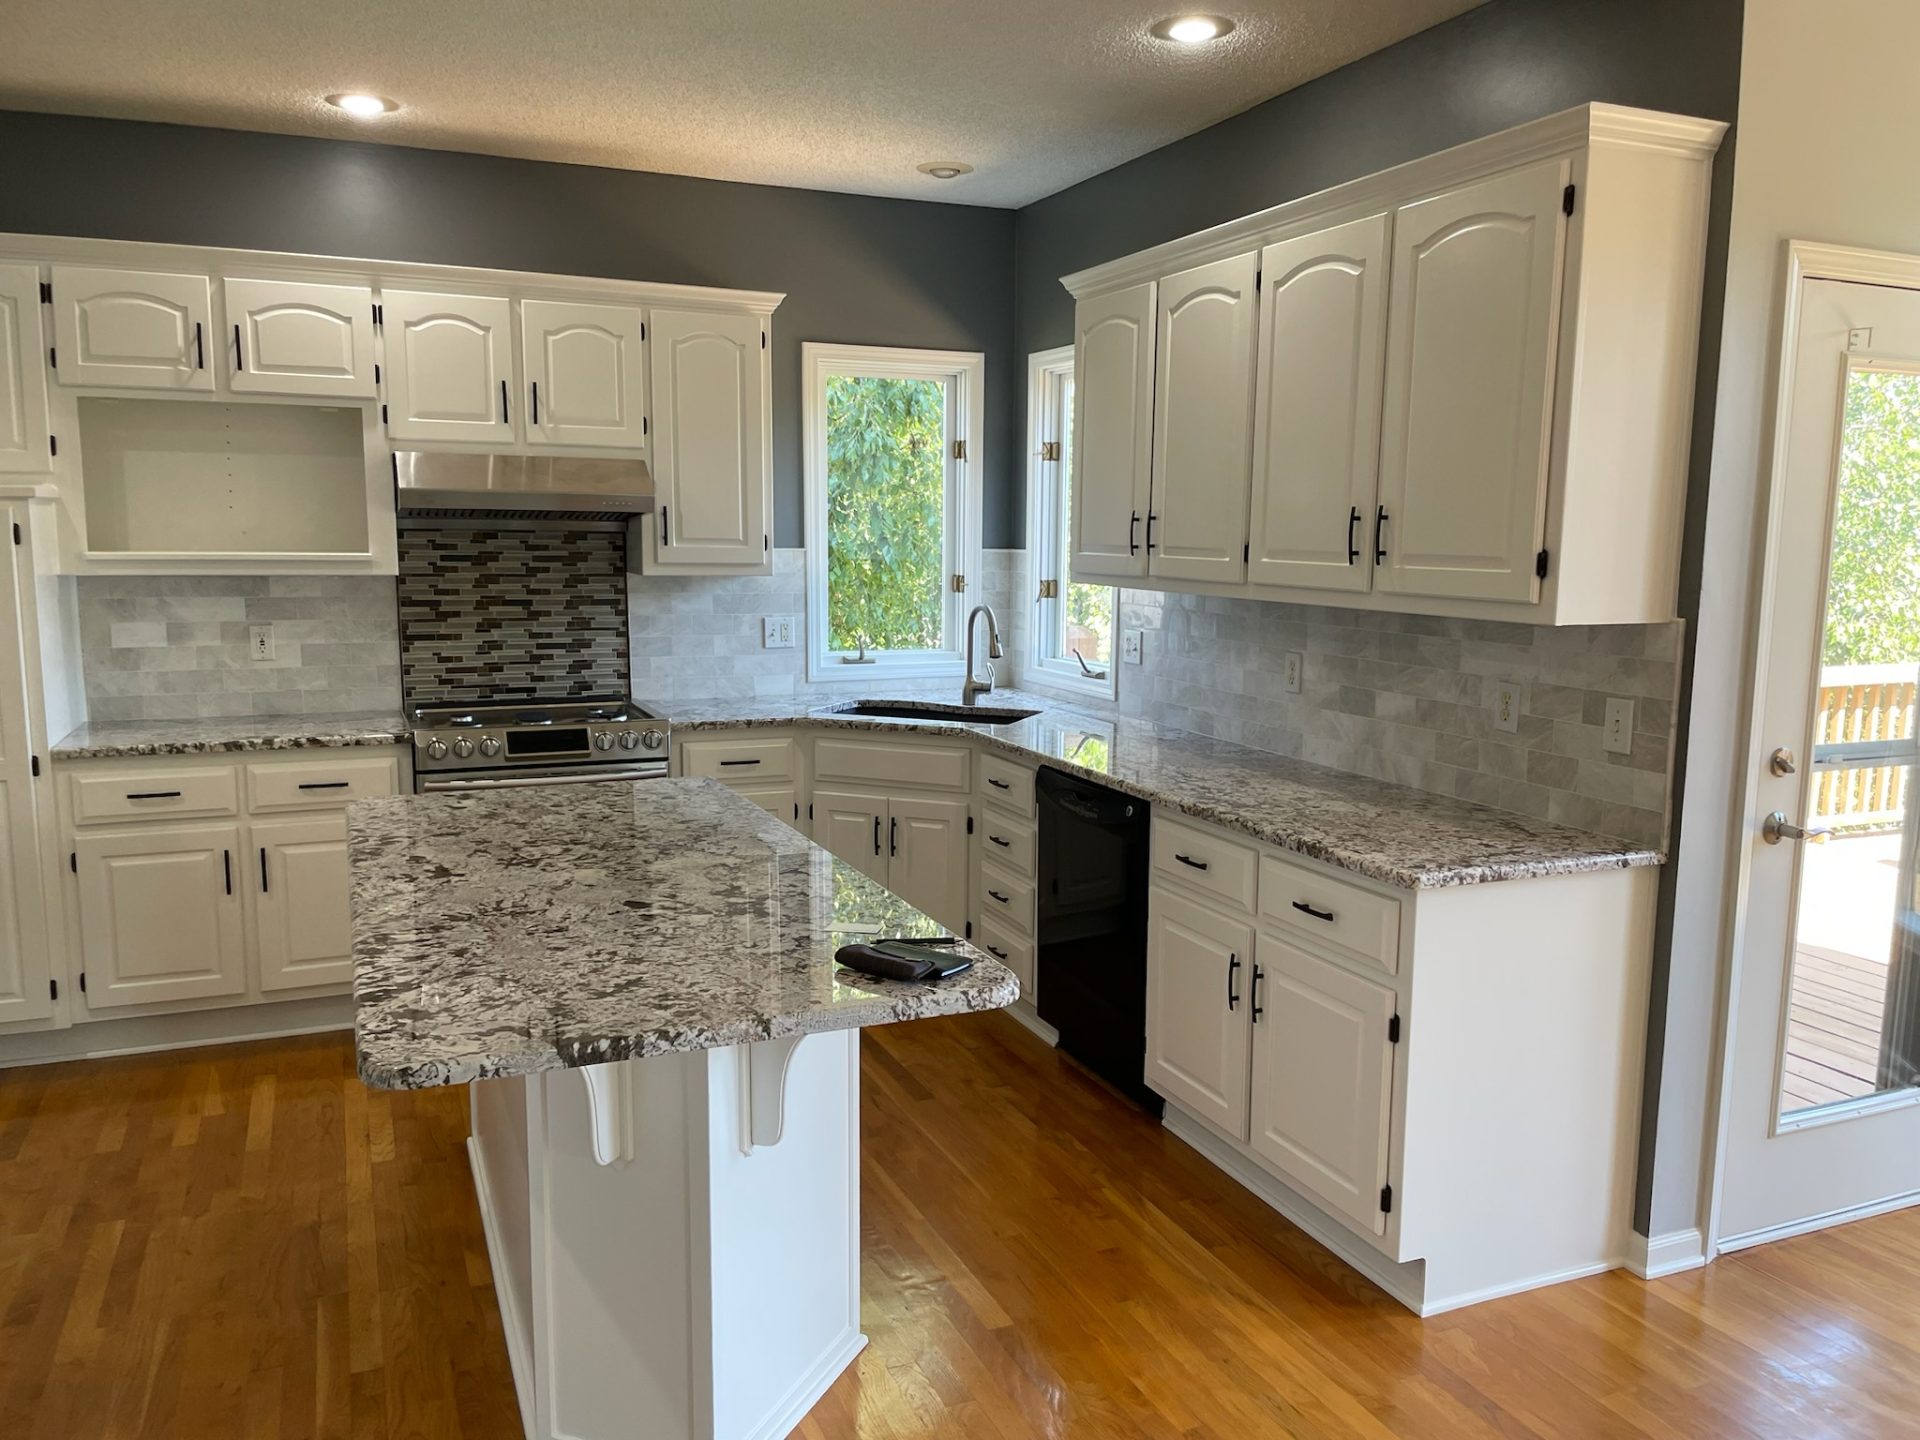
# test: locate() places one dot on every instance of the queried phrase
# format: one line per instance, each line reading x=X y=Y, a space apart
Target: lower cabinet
x=1199 y=976
x=160 y=915
x=302 y=907
x=915 y=845
x=852 y=824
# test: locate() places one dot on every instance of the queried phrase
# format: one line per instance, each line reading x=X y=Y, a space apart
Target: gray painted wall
x=855 y=269
x=1499 y=65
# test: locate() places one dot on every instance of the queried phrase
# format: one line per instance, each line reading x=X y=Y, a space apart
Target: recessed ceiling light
x=363 y=106
x=1192 y=29
x=945 y=169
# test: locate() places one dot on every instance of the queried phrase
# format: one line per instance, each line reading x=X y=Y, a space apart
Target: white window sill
x=879 y=669
x=1052 y=676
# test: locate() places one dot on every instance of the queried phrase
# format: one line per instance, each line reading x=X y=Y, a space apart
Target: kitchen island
x=637 y=980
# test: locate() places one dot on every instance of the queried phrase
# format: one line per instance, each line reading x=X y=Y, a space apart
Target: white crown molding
x=1581 y=127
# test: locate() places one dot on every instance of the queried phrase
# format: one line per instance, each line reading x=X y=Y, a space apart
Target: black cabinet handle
x=1133 y=526
x=739 y=762
x=506 y=415
x=1380 y=536
x=1196 y=864
x=239 y=355
x=1254 y=995
x=666 y=536
x=893 y=837
x=199 y=347
x=996 y=952
x=226 y=864
x=536 y=402
x=998 y=784
x=263 y=870
x=998 y=896
x=876 y=834
x=1003 y=844
x=1151 y=517
x=153 y=795
x=1233 y=968
x=324 y=784
x=1353 y=542
x=1305 y=909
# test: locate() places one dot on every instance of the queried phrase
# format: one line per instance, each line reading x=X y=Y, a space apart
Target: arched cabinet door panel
x=586 y=374
x=449 y=366
x=23 y=374
x=709 y=442
x=1113 y=433
x=133 y=328
x=290 y=338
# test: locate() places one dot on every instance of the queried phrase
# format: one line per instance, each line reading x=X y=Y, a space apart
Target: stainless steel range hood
x=523 y=489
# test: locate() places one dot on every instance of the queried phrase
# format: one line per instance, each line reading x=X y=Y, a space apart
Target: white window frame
x=964 y=372
x=1048 y=550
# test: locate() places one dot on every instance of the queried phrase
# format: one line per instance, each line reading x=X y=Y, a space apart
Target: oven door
x=515 y=776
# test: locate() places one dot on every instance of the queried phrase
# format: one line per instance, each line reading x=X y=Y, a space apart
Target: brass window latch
x=1049 y=589
x=1049 y=449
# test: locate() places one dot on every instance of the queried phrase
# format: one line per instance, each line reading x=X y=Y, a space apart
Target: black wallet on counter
x=903 y=959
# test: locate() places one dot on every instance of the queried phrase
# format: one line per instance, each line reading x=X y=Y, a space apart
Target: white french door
x=1821 y=1108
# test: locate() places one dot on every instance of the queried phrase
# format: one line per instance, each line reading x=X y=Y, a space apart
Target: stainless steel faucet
x=973 y=689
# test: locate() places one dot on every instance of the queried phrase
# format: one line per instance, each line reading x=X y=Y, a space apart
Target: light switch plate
x=1617 y=736
x=260 y=642
x=776 y=632
x=1130 y=646
x=1295 y=668
x=1508 y=701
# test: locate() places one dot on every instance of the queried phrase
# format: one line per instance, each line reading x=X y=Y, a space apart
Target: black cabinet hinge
x=645 y=427
x=1566 y=201
x=83 y=982
x=766 y=544
x=968 y=933
x=380 y=315
x=763 y=339
x=35 y=759
x=46 y=292
x=383 y=415
x=53 y=445
x=809 y=810
x=1386 y=1199
x=796 y=809
x=53 y=357
x=969 y=824
x=16 y=532
x=1540 y=565
x=376 y=374
x=53 y=988
x=1256 y=282
x=1393 y=1031
x=1246 y=552
x=73 y=861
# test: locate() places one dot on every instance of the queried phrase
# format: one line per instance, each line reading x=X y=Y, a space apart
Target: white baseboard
x=1023 y=1012
x=512 y=1321
x=1817 y=1222
x=786 y=1416
x=1515 y=1287
x=1669 y=1254
x=184 y=1030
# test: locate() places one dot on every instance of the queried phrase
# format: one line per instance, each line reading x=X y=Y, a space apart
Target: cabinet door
x=1316 y=431
x=709 y=445
x=303 y=916
x=779 y=799
x=1472 y=327
x=24 y=958
x=1323 y=1079
x=23 y=375
x=852 y=824
x=160 y=914
x=1203 y=423
x=132 y=327
x=289 y=338
x=927 y=842
x=1199 y=964
x=586 y=374
x=1112 y=433
x=449 y=366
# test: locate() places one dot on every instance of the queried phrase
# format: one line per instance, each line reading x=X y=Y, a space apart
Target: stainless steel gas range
x=483 y=747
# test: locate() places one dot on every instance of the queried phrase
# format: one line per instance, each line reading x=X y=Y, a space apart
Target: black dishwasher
x=1092 y=956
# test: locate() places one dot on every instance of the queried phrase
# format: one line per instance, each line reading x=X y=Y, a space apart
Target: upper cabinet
x=1460 y=387
x=1113 y=430
x=24 y=441
x=293 y=338
x=710 y=443
x=586 y=373
x=449 y=366
x=132 y=328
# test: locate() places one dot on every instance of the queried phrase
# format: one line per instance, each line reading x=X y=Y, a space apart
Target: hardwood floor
x=245 y=1242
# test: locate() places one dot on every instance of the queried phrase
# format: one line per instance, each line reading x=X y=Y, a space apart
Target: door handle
x=1353 y=543
x=996 y=952
x=1305 y=909
x=893 y=836
x=153 y=795
x=226 y=865
x=876 y=834
x=1196 y=864
x=1133 y=526
x=1233 y=966
x=739 y=762
x=1151 y=517
x=199 y=347
x=666 y=535
x=1776 y=827
x=239 y=355
x=998 y=896
x=1254 y=994
x=536 y=402
x=324 y=784
x=1003 y=844
x=506 y=415
x=263 y=870
x=1380 y=536
x=998 y=784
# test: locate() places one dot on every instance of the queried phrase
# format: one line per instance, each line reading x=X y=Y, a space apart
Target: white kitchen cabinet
x=1113 y=433
x=1199 y=965
x=302 y=907
x=144 y=329
x=24 y=445
x=1323 y=1050
x=287 y=337
x=449 y=371
x=160 y=914
x=1316 y=432
x=852 y=824
x=586 y=373
x=709 y=379
x=1472 y=331
x=1203 y=422
x=24 y=960
x=927 y=855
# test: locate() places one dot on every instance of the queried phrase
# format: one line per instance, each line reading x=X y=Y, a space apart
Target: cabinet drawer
x=154 y=795
x=1331 y=913
x=317 y=784
x=1005 y=783
x=1013 y=950
x=1006 y=842
x=737 y=760
x=936 y=767
x=1205 y=861
x=1006 y=900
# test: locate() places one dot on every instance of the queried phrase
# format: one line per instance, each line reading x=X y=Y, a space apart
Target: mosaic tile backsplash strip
x=176 y=647
x=512 y=614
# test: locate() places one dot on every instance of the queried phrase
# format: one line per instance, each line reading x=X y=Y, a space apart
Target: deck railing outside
x=1863 y=708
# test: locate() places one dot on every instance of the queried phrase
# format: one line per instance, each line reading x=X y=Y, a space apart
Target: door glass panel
x=1086 y=620
x=1854 y=996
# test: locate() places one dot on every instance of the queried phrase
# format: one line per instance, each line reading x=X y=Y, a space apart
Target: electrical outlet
x=776 y=632
x=1130 y=646
x=1507 y=704
x=260 y=642
x=1296 y=666
x=1617 y=737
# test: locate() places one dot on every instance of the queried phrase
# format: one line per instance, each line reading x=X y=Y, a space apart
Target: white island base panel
x=674 y=1240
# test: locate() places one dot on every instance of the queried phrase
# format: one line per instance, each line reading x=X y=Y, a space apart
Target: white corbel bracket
x=610 y=1110
x=764 y=1091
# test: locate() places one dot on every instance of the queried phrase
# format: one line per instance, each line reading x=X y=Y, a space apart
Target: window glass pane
x=1086 y=617
x=886 y=504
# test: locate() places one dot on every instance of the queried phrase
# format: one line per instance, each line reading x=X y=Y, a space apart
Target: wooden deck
x=1833 y=1028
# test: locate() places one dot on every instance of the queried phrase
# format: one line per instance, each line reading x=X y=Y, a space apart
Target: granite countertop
x=114 y=738
x=1387 y=832
x=513 y=931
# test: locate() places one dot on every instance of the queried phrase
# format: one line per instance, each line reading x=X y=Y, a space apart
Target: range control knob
x=603 y=741
x=629 y=740
x=436 y=749
x=653 y=739
x=489 y=746
x=463 y=747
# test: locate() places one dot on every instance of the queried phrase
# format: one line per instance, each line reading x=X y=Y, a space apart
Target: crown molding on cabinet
x=1584 y=125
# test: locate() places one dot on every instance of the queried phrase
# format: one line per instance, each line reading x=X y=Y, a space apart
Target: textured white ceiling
x=827 y=94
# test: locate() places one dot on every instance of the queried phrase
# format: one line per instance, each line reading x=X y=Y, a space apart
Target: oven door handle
x=514 y=782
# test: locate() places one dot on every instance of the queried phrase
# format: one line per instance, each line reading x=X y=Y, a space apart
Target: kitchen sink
x=931 y=710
